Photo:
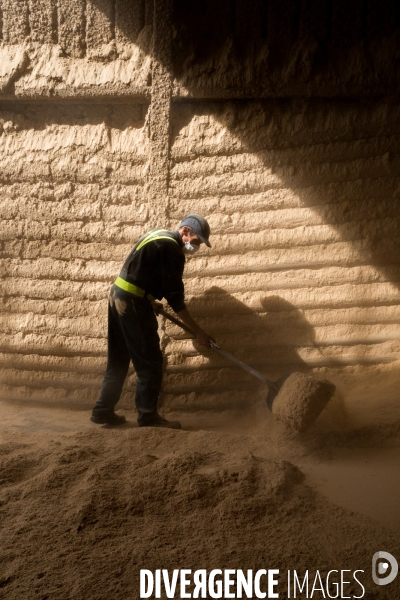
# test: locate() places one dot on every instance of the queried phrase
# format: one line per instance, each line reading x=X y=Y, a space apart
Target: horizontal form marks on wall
x=304 y=266
x=80 y=27
x=74 y=143
x=229 y=48
x=302 y=201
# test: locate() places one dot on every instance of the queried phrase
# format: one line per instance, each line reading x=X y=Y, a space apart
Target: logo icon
x=384 y=564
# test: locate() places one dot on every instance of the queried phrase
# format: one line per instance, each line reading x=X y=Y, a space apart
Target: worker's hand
x=157 y=306
x=204 y=338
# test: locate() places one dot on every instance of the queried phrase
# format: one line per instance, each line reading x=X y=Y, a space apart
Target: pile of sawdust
x=82 y=514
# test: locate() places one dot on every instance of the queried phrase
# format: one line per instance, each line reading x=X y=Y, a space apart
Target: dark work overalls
x=153 y=270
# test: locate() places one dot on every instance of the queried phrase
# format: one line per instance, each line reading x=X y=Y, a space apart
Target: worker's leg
x=140 y=325
x=118 y=360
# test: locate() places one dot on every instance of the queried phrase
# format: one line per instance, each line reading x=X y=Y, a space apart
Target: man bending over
x=152 y=271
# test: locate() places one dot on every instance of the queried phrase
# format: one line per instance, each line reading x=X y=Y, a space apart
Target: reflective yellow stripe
x=151 y=233
x=154 y=236
x=148 y=238
x=158 y=237
x=129 y=287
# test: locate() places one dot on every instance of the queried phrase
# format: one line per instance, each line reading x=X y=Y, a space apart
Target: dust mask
x=189 y=249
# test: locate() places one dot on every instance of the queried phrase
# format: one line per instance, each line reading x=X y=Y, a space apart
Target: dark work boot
x=159 y=421
x=108 y=419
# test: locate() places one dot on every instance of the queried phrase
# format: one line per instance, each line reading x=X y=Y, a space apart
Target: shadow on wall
x=340 y=157
x=333 y=164
x=259 y=48
x=234 y=44
x=262 y=45
x=269 y=341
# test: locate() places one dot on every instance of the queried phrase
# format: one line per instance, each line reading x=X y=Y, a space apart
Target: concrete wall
x=280 y=124
x=304 y=271
x=72 y=201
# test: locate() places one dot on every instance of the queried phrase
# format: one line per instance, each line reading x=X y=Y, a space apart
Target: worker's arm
x=172 y=262
x=202 y=337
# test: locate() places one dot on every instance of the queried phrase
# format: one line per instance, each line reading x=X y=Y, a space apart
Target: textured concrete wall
x=72 y=201
x=251 y=48
x=305 y=269
x=75 y=48
x=229 y=48
x=109 y=126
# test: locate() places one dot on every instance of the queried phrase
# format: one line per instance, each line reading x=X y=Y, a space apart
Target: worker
x=152 y=271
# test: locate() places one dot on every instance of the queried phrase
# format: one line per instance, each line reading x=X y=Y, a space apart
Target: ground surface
x=83 y=508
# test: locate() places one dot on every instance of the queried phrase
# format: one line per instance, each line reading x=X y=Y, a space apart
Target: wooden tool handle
x=217 y=348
